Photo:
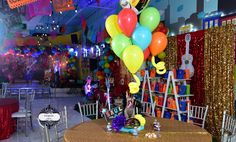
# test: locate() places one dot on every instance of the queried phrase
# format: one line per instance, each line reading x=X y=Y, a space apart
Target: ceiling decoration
x=40 y=7
x=17 y=3
x=63 y=5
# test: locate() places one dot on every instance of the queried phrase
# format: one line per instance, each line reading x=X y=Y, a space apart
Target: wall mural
x=176 y=13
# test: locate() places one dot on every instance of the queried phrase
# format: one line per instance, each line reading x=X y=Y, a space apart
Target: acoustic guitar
x=187 y=59
x=29 y=68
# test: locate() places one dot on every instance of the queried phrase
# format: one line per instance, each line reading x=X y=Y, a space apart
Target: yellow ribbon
x=160 y=66
x=134 y=86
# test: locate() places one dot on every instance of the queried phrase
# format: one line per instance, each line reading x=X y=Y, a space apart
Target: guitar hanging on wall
x=187 y=58
x=29 y=67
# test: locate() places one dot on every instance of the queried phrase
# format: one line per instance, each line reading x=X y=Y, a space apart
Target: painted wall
x=176 y=13
x=210 y=5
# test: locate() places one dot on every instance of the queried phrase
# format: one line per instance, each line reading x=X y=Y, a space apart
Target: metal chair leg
x=31 y=123
x=26 y=127
x=17 y=125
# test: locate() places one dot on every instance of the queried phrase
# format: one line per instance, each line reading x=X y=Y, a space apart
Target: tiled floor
x=38 y=105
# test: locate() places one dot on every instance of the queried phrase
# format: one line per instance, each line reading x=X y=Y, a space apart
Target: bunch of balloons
x=105 y=61
x=131 y=40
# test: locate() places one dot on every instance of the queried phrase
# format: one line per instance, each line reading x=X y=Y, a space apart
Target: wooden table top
x=171 y=131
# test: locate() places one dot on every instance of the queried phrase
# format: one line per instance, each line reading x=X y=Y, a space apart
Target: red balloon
x=158 y=44
x=164 y=30
x=146 y=53
x=161 y=25
x=127 y=20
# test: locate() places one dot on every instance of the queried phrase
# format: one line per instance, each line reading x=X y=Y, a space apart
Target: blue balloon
x=137 y=25
x=106 y=70
x=110 y=58
x=26 y=51
x=142 y=37
x=101 y=63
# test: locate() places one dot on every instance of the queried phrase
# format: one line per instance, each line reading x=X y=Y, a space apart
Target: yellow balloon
x=112 y=26
x=133 y=58
x=134 y=86
x=160 y=66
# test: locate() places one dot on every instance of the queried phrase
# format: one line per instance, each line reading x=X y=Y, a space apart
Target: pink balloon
x=127 y=20
x=146 y=53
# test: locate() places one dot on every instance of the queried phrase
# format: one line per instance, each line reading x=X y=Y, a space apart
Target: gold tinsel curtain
x=171 y=53
x=218 y=75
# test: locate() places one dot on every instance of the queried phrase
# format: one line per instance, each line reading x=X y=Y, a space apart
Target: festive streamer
x=218 y=75
x=197 y=50
x=17 y=3
x=41 y=7
x=160 y=66
x=63 y=5
x=134 y=86
x=171 y=53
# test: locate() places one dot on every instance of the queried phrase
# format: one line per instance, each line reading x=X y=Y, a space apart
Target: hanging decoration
x=171 y=53
x=218 y=74
x=17 y=3
x=63 y=5
x=40 y=7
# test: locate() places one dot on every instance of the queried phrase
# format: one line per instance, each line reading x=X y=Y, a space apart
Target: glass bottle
x=109 y=129
x=157 y=127
x=135 y=132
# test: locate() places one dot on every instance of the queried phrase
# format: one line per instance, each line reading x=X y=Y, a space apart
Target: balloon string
x=134 y=86
x=160 y=66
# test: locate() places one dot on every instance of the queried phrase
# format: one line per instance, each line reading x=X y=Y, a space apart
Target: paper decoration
x=41 y=7
x=113 y=112
x=63 y=5
x=17 y=3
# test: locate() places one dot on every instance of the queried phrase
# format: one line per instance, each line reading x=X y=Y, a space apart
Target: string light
x=98 y=51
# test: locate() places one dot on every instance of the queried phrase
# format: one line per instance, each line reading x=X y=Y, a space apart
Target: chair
x=4 y=90
x=146 y=109
x=88 y=110
x=25 y=112
x=227 y=138
x=197 y=114
x=23 y=93
x=228 y=129
x=58 y=129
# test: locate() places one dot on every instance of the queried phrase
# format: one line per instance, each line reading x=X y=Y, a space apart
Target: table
x=171 y=131
x=7 y=107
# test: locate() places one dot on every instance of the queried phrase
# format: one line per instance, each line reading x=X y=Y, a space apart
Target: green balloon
x=119 y=43
x=150 y=17
x=107 y=40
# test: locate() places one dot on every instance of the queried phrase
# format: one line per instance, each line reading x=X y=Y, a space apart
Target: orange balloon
x=158 y=44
